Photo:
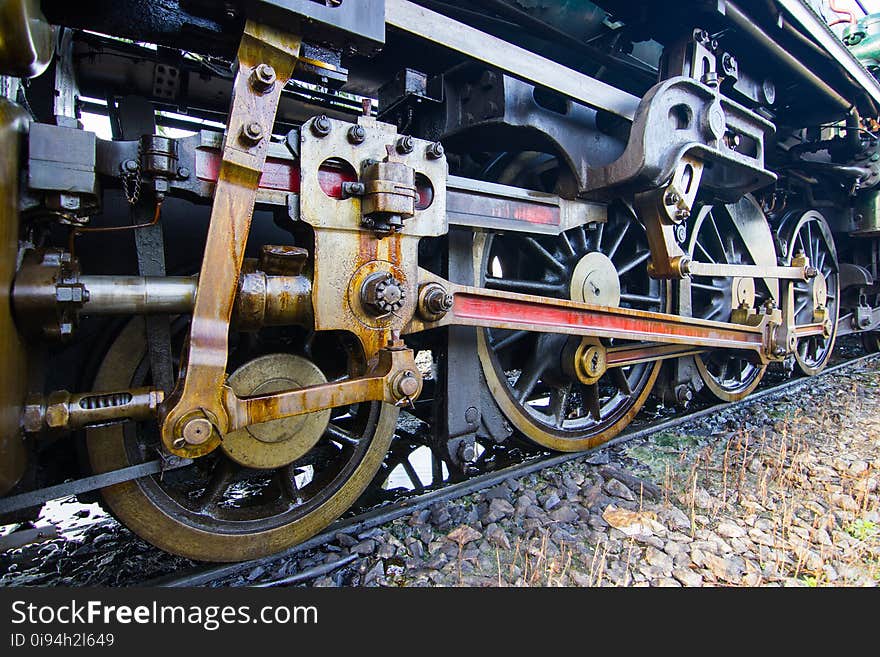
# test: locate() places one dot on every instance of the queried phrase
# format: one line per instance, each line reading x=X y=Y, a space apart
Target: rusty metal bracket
x=394 y=379
x=265 y=61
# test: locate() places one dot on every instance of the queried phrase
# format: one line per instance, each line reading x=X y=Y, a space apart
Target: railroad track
x=376 y=517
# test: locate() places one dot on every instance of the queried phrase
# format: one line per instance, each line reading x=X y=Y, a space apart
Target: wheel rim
x=727 y=375
x=214 y=510
x=547 y=406
x=811 y=235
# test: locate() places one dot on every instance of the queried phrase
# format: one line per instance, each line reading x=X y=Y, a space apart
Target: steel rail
x=388 y=513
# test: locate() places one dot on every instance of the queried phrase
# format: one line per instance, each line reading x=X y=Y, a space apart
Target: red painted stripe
x=511 y=311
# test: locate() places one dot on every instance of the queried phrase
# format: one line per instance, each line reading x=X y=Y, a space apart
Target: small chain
x=131 y=182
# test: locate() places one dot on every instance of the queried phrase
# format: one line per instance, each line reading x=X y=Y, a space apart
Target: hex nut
x=405 y=145
x=263 y=78
x=357 y=134
x=321 y=126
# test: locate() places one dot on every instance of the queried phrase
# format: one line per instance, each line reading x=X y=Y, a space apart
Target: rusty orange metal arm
x=394 y=380
x=194 y=417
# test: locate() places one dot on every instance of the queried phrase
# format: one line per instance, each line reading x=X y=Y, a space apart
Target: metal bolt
x=252 y=133
x=680 y=233
x=672 y=198
x=438 y=301
x=382 y=294
x=472 y=415
x=779 y=351
x=466 y=452
x=197 y=431
x=130 y=166
x=406 y=385
x=183 y=173
x=357 y=134
x=682 y=214
x=710 y=79
x=405 y=145
x=321 y=126
x=683 y=394
x=728 y=64
x=350 y=189
x=435 y=151
x=179 y=443
x=263 y=78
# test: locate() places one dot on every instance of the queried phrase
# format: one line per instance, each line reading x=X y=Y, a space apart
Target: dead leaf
x=632 y=523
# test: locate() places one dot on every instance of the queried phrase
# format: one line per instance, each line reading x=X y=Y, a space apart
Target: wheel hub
x=595 y=281
x=280 y=442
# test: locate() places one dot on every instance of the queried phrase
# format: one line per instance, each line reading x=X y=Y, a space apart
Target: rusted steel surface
x=13 y=381
x=395 y=379
x=197 y=398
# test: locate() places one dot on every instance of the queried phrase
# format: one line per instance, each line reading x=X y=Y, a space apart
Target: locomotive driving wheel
x=728 y=375
x=817 y=299
x=530 y=374
x=272 y=486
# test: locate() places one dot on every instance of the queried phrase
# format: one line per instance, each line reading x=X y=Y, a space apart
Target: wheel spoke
x=566 y=244
x=639 y=259
x=413 y=475
x=525 y=287
x=618 y=376
x=341 y=435
x=221 y=477
x=546 y=255
x=516 y=336
x=705 y=252
x=720 y=239
x=559 y=403
x=641 y=298
x=714 y=289
x=591 y=399
x=528 y=379
x=287 y=476
x=618 y=241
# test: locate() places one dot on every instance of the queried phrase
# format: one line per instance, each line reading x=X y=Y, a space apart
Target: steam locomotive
x=247 y=244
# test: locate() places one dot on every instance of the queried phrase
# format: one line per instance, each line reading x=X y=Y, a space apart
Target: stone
x=498 y=508
x=729 y=569
x=498 y=492
x=375 y=574
x=386 y=551
x=416 y=548
x=498 y=537
x=564 y=513
x=675 y=518
x=463 y=534
x=580 y=579
x=687 y=577
x=659 y=559
x=536 y=512
x=730 y=530
x=364 y=547
x=346 y=540
x=667 y=582
x=550 y=502
x=845 y=502
x=615 y=488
